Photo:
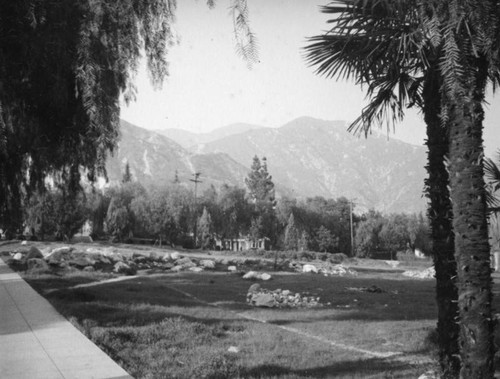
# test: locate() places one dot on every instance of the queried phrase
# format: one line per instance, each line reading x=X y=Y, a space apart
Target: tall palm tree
x=469 y=58
x=461 y=37
x=380 y=44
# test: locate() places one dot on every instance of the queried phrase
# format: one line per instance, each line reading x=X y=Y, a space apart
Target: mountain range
x=306 y=157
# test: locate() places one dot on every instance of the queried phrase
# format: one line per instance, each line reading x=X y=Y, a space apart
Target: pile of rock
x=105 y=259
x=260 y=297
x=327 y=269
x=428 y=273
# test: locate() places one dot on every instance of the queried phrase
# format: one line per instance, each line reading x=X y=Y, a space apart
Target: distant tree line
x=169 y=214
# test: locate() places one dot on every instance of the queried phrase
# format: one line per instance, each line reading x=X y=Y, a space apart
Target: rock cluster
x=260 y=297
x=324 y=268
x=428 y=273
x=108 y=260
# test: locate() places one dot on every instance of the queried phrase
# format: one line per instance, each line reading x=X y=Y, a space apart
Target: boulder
x=115 y=257
x=428 y=273
x=37 y=264
x=185 y=262
x=167 y=257
x=18 y=257
x=175 y=255
x=310 y=268
x=207 y=263
x=102 y=259
x=265 y=300
x=231 y=268
x=58 y=255
x=177 y=268
x=264 y=276
x=81 y=262
x=154 y=256
x=89 y=269
x=167 y=266
x=139 y=258
x=251 y=275
x=34 y=252
x=123 y=268
x=196 y=269
x=254 y=288
x=61 y=250
x=233 y=349
x=431 y=374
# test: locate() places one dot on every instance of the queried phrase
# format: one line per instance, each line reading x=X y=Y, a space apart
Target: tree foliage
x=63 y=66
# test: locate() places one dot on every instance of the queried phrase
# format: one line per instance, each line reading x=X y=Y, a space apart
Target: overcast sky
x=210 y=86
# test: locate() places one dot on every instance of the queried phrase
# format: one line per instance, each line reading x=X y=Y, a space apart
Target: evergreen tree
x=260 y=185
x=127 y=175
x=205 y=229
x=291 y=234
x=261 y=192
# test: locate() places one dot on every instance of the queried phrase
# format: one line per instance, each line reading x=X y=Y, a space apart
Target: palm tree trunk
x=440 y=216
x=472 y=252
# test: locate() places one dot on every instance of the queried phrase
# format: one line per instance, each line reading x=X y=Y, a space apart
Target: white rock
x=60 y=250
x=24 y=243
x=167 y=257
x=429 y=375
x=17 y=256
x=233 y=349
x=393 y=264
x=310 y=268
x=231 y=268
x=425 y=274
x=176 y=268
x=196 y=269
x=250 y=275
x=175 y=255
x=264 y=276
x=207 y=263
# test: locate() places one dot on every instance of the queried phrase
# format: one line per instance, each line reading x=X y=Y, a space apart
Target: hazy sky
x=211 y=86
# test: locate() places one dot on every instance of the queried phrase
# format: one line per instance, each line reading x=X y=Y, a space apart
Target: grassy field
x=155 y=330
x=198 y=325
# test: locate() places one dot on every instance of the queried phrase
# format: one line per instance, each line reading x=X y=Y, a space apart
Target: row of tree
x=172 y=215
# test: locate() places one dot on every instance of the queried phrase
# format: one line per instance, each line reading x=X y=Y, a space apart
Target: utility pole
x=195 y=181
x=352 y=228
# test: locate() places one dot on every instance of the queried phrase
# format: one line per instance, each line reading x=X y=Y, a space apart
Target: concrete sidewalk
x=37 y=342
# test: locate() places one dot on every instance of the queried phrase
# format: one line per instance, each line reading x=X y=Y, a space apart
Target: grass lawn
x=182 y=325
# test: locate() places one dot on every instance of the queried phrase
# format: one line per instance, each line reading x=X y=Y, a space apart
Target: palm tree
x=461 y=36
x=380 y=44
x=468 y=32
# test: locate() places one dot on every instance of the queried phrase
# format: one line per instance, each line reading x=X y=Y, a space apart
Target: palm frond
x=378 y=43
x=492 y=173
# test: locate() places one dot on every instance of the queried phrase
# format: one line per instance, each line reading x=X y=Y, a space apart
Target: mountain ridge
x=307 y=157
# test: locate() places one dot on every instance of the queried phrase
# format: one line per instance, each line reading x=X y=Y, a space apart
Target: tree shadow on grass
x=356 y=369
